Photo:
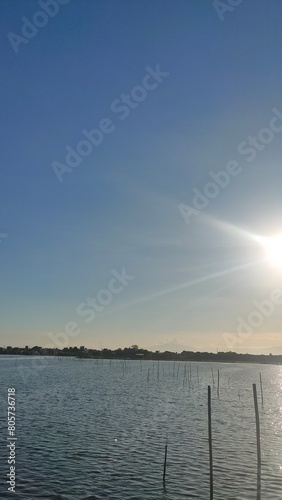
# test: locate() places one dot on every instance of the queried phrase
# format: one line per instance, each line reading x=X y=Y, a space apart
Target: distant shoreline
x=136 y=353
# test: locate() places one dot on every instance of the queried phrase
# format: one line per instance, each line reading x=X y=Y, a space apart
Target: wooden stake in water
x=213 y=382
x=261 y=391
x=198 y=375
x=165 y=463
x=185 y=373
x=218 y=383
x=210 y=443
x=258 y=443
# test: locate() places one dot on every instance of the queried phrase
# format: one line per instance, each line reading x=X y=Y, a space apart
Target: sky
x=119 y=245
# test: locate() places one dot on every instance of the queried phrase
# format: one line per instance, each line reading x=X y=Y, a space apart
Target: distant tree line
x=135 y=352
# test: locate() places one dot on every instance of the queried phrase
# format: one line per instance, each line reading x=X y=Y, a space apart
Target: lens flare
x=273 y=248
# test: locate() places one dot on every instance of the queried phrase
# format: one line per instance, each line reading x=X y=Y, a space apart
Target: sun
x=273 y=246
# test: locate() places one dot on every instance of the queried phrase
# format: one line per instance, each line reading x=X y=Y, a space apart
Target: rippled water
x=97 y=430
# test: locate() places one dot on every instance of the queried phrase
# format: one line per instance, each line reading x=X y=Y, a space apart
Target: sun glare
x=273 y=248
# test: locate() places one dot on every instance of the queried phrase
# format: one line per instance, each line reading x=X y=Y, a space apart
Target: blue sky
x=120 y=207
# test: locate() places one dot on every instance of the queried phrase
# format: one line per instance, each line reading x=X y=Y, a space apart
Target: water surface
x=91 y=429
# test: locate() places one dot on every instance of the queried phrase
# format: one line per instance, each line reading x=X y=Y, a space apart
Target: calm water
x=97 y=430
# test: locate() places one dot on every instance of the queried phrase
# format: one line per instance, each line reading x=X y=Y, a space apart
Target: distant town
x=135 y=352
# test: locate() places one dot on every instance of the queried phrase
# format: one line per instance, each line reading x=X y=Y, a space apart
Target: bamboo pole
x=165 y=459
x=258 y=443
x=213 y=382
x=261 y=391
x=210 y=443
